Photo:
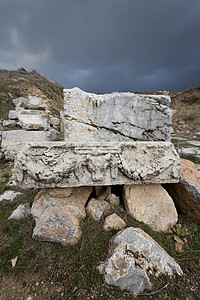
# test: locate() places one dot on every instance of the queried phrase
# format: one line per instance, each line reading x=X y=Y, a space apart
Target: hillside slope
x=186 y=112
x=21 y=83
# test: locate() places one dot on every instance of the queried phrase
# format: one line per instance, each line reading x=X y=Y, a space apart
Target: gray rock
x=116 y=117
x=60 y=164
x=151 y=204
x=97 y=208
x=132 y=257
x=58 y=213
x=9 y=195
x=22 y=211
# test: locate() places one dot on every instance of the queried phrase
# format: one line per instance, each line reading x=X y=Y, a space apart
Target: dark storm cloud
x=104 y=45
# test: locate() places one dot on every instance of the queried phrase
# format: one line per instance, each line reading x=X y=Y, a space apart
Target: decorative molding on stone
x=60 y=164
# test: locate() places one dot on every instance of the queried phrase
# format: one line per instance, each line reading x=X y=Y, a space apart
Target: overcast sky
x=104 y=45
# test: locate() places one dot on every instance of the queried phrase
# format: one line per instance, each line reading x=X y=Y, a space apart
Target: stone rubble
x=97 y=208
x=58 y=213
x=9 y=195
x=151 y=204
x=113 y=221
x=22 y=211
x=133 y=256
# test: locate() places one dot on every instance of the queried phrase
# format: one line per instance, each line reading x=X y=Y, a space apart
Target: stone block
x=14 y=141
x=116 y=117
x=60 y=164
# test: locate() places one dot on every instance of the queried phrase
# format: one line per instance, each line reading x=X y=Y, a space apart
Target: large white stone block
x=60 y=164
x=14 y=141
x=116 y=117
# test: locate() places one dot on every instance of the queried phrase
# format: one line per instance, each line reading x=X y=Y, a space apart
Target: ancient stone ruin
x=115 y=139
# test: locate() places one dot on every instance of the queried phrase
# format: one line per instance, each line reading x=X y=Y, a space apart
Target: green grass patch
x=191 y=157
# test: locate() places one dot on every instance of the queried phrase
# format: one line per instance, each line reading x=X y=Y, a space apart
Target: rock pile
x=31 y=121
x=117 y=139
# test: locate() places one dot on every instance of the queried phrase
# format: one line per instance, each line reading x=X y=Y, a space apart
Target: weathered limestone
x=14 y=141
x=33 y=122
x=116 y=117
x=132 y=257
x=60 y=164
x=58 y=213
x=97 y=208
x=9 y=195
x=22 y=211
x=186 y=193
x=31 y=102
x=114 y=221
x=151 y=204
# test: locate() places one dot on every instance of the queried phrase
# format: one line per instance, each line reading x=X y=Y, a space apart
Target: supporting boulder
x=58 y=213
x=186 y=193
x=151 y=204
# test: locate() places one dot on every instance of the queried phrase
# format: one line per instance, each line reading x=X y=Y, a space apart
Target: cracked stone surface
x=151 y=204
x=133 y=256
x=116 y=117
x=58 y=212
x=60 y=164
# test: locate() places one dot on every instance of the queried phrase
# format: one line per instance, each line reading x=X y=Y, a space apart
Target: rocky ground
x=21 y=83
x=45 y=270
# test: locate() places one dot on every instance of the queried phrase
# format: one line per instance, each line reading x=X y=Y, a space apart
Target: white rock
x=33 y=122
x=60 y=164
x=14 y=141
x=30 y=102
x=133 y=256
x=14 y=261
x=9 y=195
x=116 y=116
x=114 y=221
x=22 y=211
x=9 y=123
x=58 y=213
x=97 y=208
x=55 y=122
x=151 y=204
x=13 y=114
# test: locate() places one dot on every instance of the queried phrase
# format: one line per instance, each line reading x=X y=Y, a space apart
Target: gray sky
x=104 y=45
